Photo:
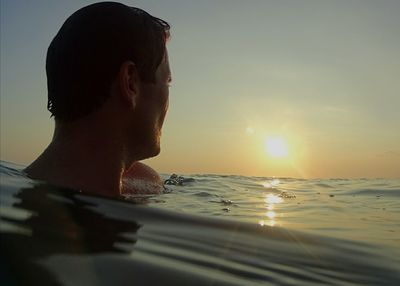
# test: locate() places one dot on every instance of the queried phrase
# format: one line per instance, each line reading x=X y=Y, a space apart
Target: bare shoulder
x=143 y=179
x=144 y=172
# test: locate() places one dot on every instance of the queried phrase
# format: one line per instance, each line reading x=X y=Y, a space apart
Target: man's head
x=109 y=52
x=86 y=55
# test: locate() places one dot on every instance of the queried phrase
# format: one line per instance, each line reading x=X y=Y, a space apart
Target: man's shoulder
x=142 y=171
x=141 y=178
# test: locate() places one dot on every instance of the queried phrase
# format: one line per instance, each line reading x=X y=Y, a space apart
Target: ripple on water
x=350 y=241
x=204 y=194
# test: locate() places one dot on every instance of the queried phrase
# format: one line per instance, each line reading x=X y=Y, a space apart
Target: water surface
x=215 y=230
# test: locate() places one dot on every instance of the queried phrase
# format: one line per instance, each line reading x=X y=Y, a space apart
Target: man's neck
x=83 y=161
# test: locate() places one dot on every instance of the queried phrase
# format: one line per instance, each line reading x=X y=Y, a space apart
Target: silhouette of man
x=108 y=77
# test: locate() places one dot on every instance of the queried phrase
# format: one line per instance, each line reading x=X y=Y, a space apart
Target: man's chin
x=157 y=151
x=153 y=152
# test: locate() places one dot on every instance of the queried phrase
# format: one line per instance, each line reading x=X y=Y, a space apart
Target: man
x=108 y=77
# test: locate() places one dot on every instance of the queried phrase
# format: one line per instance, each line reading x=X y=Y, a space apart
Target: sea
x=205 y=229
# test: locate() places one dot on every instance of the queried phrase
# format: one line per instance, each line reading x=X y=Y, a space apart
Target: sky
x=300 y=88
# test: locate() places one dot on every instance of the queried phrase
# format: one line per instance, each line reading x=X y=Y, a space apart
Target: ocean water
x=365 y=210
x=208 y=230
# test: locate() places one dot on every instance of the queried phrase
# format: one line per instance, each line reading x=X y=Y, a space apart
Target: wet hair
x=85 y=56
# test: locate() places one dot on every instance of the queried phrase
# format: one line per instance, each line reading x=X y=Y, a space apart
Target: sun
x=276 y=147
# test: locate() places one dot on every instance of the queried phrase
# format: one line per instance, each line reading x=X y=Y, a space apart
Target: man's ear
x=129 y=83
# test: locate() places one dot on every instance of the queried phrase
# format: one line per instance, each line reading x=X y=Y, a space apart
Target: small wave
x=375 y=192
x=204 y=194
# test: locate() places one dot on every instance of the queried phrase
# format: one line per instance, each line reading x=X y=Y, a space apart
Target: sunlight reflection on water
x=271 y=200
x=271 y=184
x=366 y=210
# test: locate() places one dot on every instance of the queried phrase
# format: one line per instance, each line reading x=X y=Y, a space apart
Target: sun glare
x=276 y=147
x=250 y=130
